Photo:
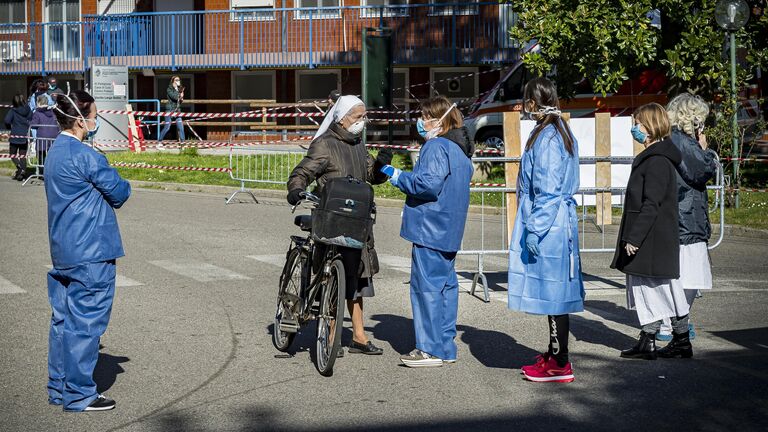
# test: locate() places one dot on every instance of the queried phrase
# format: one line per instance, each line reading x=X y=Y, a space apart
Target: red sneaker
x=540 y=360
x=549 y=371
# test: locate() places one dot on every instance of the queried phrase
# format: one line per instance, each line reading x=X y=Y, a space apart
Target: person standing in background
x=17 y=120
x=175 y=94
x=53 y=86
x=46 y=126
x=38 y=88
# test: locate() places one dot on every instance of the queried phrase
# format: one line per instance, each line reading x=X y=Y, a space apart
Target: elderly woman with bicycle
x=337 y=151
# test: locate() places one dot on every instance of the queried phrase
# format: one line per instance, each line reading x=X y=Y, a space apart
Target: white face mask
x=357 y=127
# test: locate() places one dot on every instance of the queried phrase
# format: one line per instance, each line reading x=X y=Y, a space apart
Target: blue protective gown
x=434 y=216
x=550 y=283
x=82 y=192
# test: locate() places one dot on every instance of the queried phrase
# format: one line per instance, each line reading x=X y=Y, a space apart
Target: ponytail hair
x=543 y=93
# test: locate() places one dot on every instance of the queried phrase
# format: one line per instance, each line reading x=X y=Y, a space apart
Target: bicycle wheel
x=330 y=320
x=288 y=302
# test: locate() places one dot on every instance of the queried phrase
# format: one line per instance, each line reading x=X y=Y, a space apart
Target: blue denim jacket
x=437 y=200
x=82 y=192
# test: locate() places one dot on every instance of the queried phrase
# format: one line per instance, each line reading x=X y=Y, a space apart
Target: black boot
x=679 y=346
x=645 y=348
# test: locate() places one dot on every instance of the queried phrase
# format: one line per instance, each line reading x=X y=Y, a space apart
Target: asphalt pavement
x=188 y=346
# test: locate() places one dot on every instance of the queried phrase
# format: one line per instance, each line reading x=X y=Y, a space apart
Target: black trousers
x=19 y=150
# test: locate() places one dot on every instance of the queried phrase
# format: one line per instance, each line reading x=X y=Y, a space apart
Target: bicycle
x=311 y=288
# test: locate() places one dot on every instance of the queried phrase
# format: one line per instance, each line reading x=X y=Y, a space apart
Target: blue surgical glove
x=392 y=172
x=532 y=243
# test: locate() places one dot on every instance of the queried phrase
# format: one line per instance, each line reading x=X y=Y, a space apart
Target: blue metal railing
x=430 y=34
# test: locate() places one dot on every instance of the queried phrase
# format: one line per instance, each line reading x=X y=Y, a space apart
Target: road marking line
x=275 y=260
x=120 y=280
x=8 y=287
x=397 y=263
x=197 y=270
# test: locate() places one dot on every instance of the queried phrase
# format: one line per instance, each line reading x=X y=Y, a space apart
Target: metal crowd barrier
x=36 y=158
x=260 y=165
x=491 y=220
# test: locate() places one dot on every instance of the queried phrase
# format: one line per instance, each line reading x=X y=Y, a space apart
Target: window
x=62 y=40
x=252 y=10
x=512 y=88
x=252 y=85
x=13 y=16
x=447 y=7
x=315 y=85
x=457 y=84
x=322 y=14
x=116 y=7
x=387 y=8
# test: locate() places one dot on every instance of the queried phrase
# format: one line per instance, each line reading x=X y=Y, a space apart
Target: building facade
x=285 y=51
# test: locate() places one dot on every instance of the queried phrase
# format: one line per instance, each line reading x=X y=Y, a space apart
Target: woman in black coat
x=17 y=120
x=648 y=248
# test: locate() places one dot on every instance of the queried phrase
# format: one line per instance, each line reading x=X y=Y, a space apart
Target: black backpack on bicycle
x=346 y=213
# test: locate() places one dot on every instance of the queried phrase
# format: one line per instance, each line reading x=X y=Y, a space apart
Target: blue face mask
x=420 y=128
x=92 y=132
x=638 y=135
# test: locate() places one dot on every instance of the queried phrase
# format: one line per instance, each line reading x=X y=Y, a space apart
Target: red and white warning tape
x=746 y=190
x=748 y=159
x=501 y=185
x=170 y=168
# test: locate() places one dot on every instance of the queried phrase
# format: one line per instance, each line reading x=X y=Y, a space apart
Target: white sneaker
x=160 y=146
x=418 y=358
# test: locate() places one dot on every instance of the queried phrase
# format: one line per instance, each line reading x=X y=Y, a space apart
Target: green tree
x=607 y=41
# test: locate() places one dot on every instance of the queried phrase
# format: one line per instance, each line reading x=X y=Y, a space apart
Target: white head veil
x=337 y=112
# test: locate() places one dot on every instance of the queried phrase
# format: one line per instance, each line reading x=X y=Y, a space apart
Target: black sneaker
x=102 y=403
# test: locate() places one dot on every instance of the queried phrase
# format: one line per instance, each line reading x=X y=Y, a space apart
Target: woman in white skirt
x=648 y=249
x=687 y=114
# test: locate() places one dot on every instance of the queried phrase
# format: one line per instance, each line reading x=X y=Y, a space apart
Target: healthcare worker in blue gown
x=82 y=192
x=544 y=266
x=433 y=220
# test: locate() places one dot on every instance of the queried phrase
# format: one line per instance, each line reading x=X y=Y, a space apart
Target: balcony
x=436 y=34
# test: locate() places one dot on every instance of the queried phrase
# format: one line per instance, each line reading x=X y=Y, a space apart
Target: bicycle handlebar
x=309 y=196
x=306 y=196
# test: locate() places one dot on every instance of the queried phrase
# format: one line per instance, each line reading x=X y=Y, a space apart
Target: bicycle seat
x=304 y=222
